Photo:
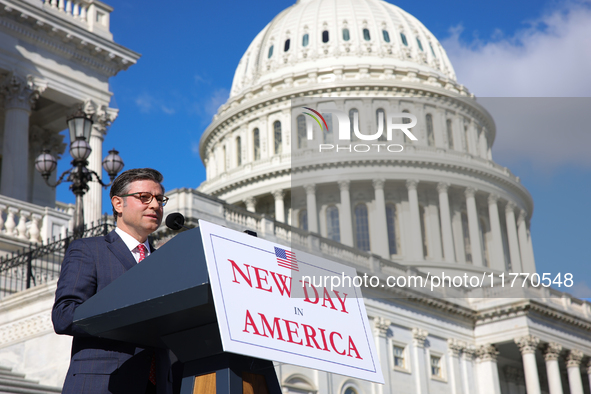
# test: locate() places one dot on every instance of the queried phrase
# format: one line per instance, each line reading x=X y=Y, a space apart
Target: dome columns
x=527 y=257
x=497 y=255
x=513 y=239
x=446 y=228
x=416 y=239
x=278 y=195
x=382 y=247
x=311 y=208
x=473 y=227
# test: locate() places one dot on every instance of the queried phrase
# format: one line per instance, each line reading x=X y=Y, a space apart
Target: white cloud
x=550 y=58
x=219 y=97
x=147 y=103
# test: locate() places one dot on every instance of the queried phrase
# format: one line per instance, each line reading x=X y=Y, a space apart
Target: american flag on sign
x=286 y=259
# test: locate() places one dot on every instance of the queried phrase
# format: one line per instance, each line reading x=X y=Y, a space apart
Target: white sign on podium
x=263 y=313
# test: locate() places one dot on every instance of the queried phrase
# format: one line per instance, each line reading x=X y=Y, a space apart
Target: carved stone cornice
x=487 y=353
x=20 y=93
x=527 y=344
x=101 y=115
x=419 y=336
x=552 y=351
x=381 y=326
x=443 y=187
x=411 y=184
x=574 y=358
x=40 y=139
x=378 y=184
x=455 y=346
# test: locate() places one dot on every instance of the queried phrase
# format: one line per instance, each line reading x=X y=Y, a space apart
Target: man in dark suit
x=98 y=365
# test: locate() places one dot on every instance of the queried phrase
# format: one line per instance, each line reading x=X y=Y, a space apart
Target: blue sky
x=503 y=48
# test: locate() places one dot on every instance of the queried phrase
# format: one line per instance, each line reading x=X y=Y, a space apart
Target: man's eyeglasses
x=146 y=197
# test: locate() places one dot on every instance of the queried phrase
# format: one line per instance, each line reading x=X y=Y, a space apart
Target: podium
x=166 y=302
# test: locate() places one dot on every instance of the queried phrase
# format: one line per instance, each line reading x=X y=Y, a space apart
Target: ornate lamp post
x=79 y=175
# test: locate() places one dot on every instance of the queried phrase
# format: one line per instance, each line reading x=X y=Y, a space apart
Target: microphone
x=176 y=221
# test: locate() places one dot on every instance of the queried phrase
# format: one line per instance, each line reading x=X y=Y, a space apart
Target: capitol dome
x=440 y=203
x=339 y=34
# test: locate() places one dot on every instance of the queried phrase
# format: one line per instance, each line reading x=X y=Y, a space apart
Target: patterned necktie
x=152 y=377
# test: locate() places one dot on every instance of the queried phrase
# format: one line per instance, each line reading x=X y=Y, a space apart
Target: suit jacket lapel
x=120 y=250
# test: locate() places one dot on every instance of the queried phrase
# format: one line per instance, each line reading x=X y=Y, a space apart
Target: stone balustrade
x=30 y=223
x=86 y=13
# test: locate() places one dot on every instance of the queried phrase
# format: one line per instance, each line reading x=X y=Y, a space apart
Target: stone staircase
x=15 y=383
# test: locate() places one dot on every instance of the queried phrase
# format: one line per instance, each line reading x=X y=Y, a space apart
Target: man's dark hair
x=123 y=182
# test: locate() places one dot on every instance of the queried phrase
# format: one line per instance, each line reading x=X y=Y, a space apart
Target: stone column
x=551 y=355
x=381 y=247
x=102 y=118
x=468 y=369
x=497 y=254
x=589 y=371
x=527 y=346
x=512 y=235
x=527 y=263
x=279 y=205
x=473 y=227
x=446 y=229
x=488 y=373
x=19 y=97
x=251 y=203
x=455 y=347
x=346 y=221
x=415 y=220
x=381 y=327
x=311 y=207
x=573 y=362
x=421 y=376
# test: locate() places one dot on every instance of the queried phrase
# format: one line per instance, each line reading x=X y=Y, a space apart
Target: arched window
x=327 y=133
x=325 y=36
x=256 y=144
x=361 y=227
x=302 y=133
x=352 y=113
x=430 y=133
x=270 y=52
x=305 y=40
x=238 y=151
x=403 y=38
x=391 y=222
x=419 y=44
x=466 y=235
x=450 y=134
x=384 y=133
x=303 y=219
x=346 y=36
x=350 y=390
x=386 y=35
x=332 y=224
x=366 y=35
x=277 y=134
x=286 y=45
x=423 y=218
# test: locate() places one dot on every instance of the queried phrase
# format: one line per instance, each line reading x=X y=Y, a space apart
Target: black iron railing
x=38 y=264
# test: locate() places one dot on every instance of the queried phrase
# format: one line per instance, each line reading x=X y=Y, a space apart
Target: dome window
x=403 y=38
x=386 y=35
x=286 y=46
x=432 y=51
x=325 y=36
x=346 y=35
x=305 y=40
x=366 y=35
x=270 y=52
x=420 y=45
